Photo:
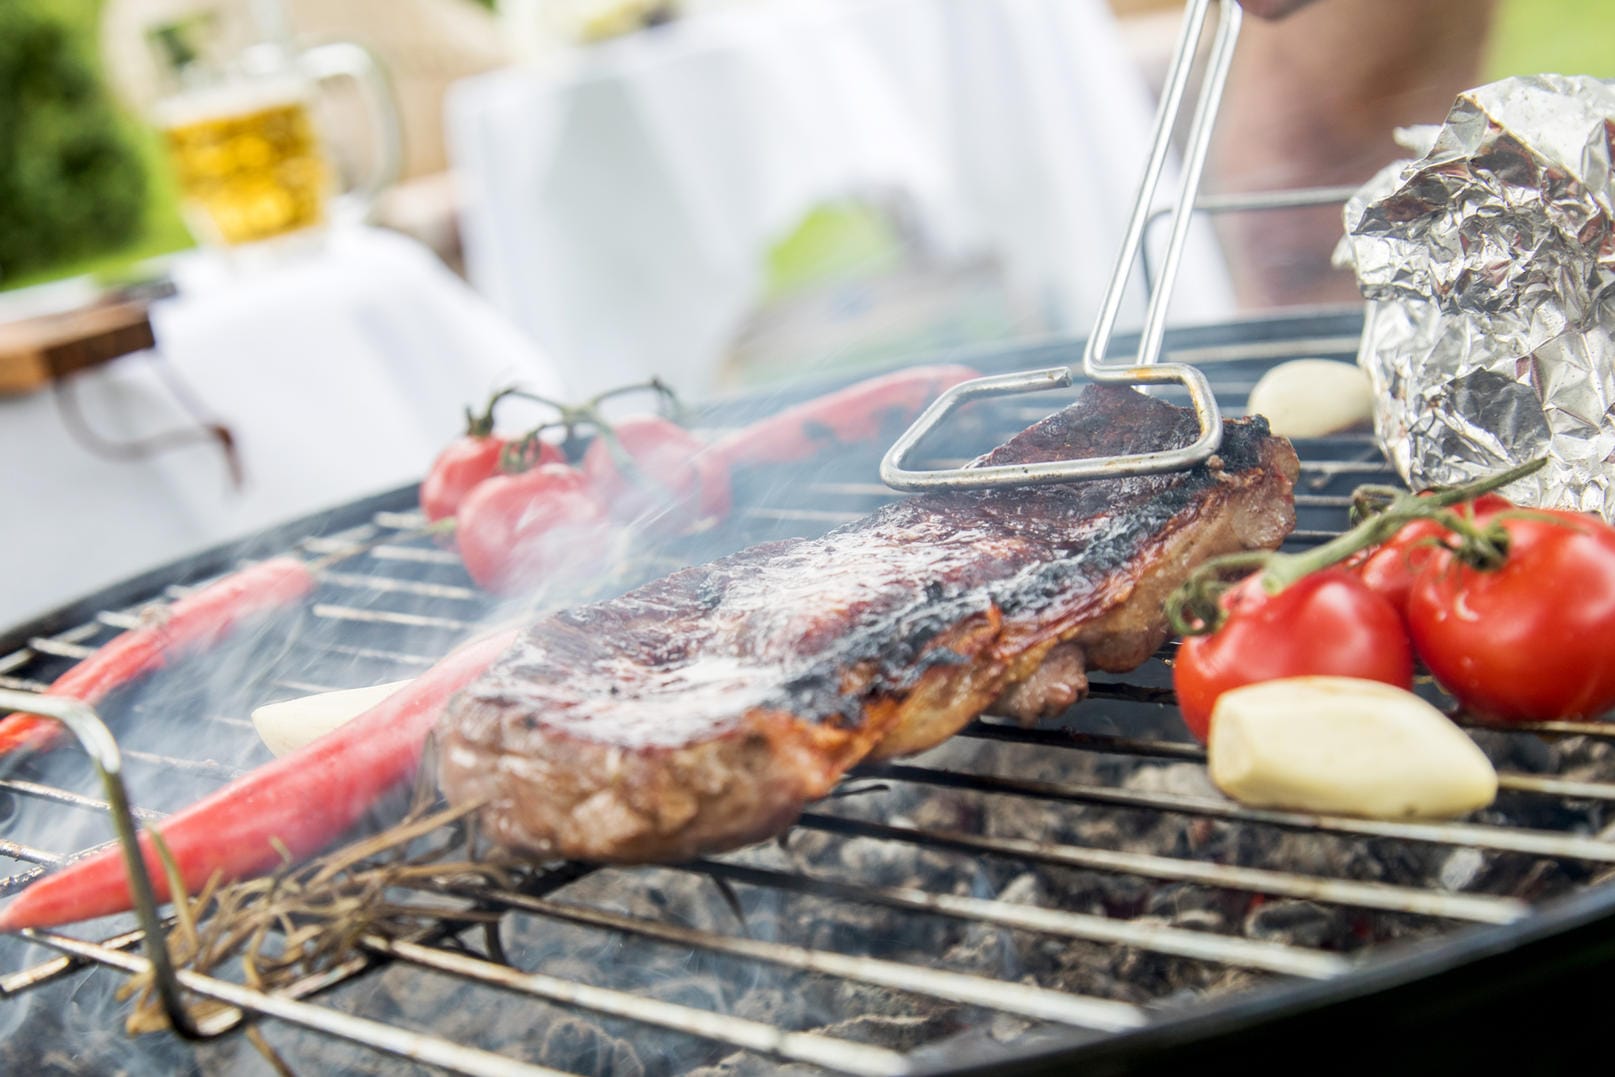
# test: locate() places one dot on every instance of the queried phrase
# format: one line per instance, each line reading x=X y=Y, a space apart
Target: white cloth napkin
x=341 y=374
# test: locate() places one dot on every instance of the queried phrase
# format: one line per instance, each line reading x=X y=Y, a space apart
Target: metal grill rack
x=390 y=611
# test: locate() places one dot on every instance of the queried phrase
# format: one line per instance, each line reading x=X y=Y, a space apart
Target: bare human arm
x=1312 y=100
x=1272 y=9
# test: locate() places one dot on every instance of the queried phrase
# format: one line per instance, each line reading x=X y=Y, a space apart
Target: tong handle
x=894 y=468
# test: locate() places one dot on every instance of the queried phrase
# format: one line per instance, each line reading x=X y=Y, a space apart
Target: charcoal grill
x=1524 y=929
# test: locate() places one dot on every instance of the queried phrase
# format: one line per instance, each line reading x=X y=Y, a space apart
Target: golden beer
x=249 y=172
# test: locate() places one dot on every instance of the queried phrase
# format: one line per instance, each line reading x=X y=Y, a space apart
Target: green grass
x=1565 y=37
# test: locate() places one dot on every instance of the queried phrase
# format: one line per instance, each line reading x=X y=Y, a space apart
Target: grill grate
x=389 y=611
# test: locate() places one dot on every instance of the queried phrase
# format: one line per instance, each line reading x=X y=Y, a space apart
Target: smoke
x=388 y=612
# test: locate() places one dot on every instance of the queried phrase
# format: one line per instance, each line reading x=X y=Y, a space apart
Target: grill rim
x=1558 y=944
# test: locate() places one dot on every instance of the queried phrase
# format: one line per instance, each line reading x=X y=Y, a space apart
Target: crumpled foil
x=1489 y=264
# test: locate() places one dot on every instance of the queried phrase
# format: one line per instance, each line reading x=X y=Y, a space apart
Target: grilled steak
x=704 y=710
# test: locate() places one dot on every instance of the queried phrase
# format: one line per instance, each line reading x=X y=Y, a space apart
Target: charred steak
x=702 y=711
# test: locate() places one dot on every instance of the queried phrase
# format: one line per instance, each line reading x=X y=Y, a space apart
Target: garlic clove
x=1347 y=746
x=292 y=723
x=1308 y=398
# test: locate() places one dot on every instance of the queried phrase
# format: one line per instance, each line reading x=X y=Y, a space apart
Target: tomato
x=1531 y=639
x=1327 y=622
x=463 y=464
x=514 y=530
x=672 y=474
x=1391 y=567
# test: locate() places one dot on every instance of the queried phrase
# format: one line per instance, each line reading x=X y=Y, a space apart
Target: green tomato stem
x=1194 y=608
x=480 y=426
x=1284 y=569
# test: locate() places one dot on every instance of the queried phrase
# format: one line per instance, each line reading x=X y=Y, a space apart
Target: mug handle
x=347 y=59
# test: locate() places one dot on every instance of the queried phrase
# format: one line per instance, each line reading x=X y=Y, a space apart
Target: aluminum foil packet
x=1489 y=266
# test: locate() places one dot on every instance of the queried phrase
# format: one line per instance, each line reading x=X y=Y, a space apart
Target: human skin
x=1272 y=9
x=1312 y=99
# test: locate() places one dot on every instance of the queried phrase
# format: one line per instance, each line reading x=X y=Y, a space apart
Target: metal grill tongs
x=894 y=470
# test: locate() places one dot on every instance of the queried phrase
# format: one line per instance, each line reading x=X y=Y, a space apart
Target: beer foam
x=232 y=99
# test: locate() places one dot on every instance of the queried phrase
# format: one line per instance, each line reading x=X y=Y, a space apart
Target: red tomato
x=1531 y=639
x=672 y=473
x=514 y=530
x=464 y=464
x=1327 y=622
x=1391 y=568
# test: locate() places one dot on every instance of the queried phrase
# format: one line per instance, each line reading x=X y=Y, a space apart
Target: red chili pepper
x=300 y=802
x=194 y=622
x=857 y=413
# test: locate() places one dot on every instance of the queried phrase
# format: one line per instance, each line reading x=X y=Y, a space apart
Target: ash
x=928 y=1029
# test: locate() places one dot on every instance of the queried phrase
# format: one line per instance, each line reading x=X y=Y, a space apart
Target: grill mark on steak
x=701 y=711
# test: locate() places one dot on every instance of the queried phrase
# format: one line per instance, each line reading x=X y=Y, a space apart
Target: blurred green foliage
x=1565 y=37
x=72 y=183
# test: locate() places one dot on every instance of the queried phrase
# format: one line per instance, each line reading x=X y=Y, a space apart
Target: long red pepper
x=856 y=413
x=194 y=622
x=300 y=802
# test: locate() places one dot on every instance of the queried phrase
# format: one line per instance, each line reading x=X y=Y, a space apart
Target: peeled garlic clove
x=292 y=723
x=1307 y=398
x=1346 y=746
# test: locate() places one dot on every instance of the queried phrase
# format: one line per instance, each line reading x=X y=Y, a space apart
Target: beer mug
x=240 y=130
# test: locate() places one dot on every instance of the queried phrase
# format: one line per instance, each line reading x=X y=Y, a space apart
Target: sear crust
x=702 y=711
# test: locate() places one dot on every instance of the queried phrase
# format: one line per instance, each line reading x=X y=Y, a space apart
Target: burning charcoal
x=1088 y=969
x=851 y=928
x=1549 y=878
x=901 y=1032
x=1407 y=862
x=984 y=949
x=1024 y=889
x=1222 y=981
x=850 y=998
x=882 y=863
x=798 y=845
x=950 y=811
x=682 y=898
x=1513 y=751
x=1461 y=869
x=1175 y=779
x=749 y=1065
x=1007 y=1029
x=983 y=1048
x=999 y=954
x=1189 y=906
x=1153 y=975
x=582 y=1047
x=696 y=992
x=1298 y=923
x=772 y=1006
x=1098 y=893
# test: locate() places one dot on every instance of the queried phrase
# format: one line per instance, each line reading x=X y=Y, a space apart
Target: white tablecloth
x=618 y=211
x=340 y=375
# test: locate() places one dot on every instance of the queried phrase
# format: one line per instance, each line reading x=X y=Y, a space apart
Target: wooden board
x=37 y=350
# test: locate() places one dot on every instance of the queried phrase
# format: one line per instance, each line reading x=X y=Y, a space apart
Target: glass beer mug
x=240 y=130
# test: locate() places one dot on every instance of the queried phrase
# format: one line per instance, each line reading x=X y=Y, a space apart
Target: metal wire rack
x=390 y=611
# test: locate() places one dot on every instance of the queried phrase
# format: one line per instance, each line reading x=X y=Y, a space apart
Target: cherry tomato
x=463 y=464
x=671 y=474
x=1327 y=622
x=1529 y=640
x=1391 y=568
x=515 y=530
